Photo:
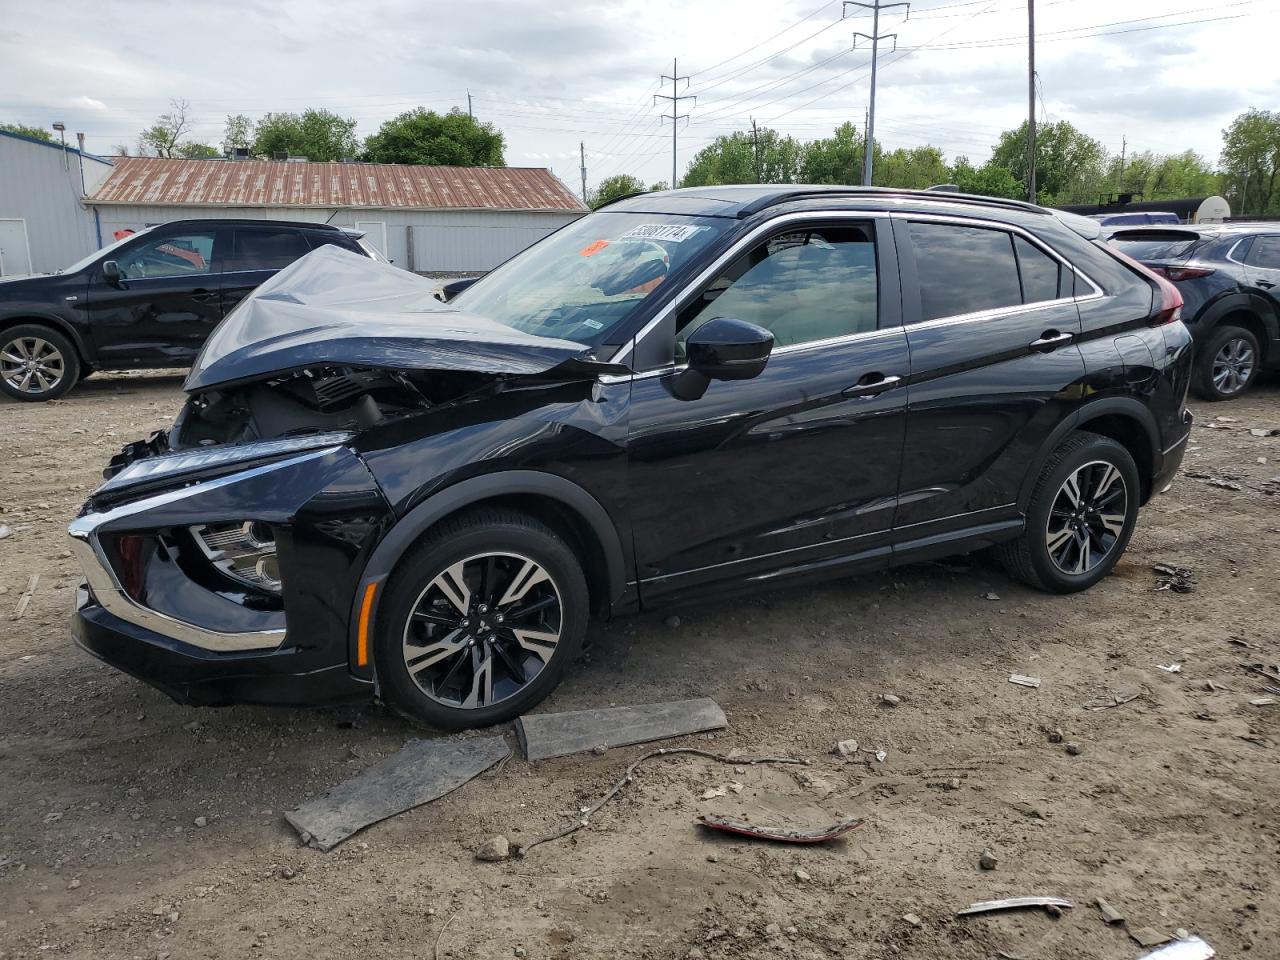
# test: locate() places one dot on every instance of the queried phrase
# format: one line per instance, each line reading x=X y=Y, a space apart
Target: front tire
x=1228 y=364
x=1081 y=516
x=37 y=363
x=479 y=621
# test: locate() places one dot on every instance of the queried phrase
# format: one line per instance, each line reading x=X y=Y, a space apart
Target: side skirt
x=964 y=540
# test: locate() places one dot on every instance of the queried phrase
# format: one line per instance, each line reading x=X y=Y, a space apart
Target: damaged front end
x=222 y=556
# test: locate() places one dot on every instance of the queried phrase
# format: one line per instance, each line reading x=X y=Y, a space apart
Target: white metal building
x=44 y=225
x=424 y=218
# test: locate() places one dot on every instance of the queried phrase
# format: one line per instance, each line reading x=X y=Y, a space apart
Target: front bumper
x=160 y=612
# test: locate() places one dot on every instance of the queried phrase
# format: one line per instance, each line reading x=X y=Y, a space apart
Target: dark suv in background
x=681 y=395
x=148 y=300
x=1229 y=277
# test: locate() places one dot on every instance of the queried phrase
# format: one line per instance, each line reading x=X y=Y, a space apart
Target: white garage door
x=15 y=252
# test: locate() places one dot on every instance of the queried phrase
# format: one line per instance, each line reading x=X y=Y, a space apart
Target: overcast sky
x=553 y=74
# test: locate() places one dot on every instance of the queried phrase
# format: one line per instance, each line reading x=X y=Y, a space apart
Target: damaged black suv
x=371 y=492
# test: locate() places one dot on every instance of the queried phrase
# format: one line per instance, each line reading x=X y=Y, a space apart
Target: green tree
x=909 y=168
x=164 y=137
x=314 y=134
x=237 y=132
x=989 y=180
x=733 y=159
x=26 y=131
x=1069 y=164
x=611 y=188
x=191 y=150
x=1251 y=161
x=835 y=159
x=659 y=185
x=423 y=136
x=1159 y=177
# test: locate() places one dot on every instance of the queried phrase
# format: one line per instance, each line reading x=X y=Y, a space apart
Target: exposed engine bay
x=318 y=400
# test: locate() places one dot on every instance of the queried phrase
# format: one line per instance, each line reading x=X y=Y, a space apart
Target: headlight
x=167 y=465
x=245 y=551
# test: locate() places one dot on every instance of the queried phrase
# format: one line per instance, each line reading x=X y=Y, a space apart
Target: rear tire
x=479 y=622
x=1081 y=516
x=37 y=363
x=1227 y=364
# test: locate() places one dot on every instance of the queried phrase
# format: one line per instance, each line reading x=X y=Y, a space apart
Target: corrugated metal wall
x=443 y=241
x=41 y=185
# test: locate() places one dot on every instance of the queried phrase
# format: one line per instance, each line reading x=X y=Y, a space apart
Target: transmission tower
x=875 y=36
x=675 y=116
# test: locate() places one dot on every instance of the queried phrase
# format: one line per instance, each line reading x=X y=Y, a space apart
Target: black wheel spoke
x=516 y=669
x=1086 y=517
x=428 y=616
x=530 y=610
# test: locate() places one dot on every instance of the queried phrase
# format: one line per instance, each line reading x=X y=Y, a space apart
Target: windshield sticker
x=593 y=248
x=593 y=324
x=668 y=232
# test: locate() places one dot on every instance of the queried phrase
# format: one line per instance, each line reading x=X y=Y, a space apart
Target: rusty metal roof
x=278 y=183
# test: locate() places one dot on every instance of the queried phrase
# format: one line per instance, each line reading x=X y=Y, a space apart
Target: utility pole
x=875 y=37
x=675 y=116
x=1124 y=146
x=755 y=146
x=582 y=152
x=1031 y=100
x=470 y=115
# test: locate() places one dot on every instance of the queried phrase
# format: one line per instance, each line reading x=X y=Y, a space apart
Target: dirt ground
x=1168 y=811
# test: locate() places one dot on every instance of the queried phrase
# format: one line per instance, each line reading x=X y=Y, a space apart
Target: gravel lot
x=1168 y=811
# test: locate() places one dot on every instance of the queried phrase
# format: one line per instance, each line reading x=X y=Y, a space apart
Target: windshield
x=586 y=279
x=1156 y=244
x=81 y=264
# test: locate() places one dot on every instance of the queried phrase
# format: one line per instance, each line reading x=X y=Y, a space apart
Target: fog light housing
x=244 y=550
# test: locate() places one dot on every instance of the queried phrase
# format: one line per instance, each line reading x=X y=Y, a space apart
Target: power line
x=742 y=53
x=675 y=116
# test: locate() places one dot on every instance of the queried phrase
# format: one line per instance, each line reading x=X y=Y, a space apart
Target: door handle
x=1265 y=284
x=1050 y=340
x=872 y=384
x=204 y=296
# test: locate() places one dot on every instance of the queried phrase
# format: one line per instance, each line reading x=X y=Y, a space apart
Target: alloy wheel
x=482 y=630
x=32 y=365
x=1087 y=517
x=1233 y=366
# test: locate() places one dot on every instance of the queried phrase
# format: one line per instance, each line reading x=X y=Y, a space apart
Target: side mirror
x=722 y=349
x=454 y=287
x=111 y=270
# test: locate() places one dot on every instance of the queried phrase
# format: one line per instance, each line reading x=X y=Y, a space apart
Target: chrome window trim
x=731 y=254
x=110 y=594
x=1251 y=236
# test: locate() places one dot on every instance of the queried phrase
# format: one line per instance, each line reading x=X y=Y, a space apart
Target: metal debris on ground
x=1259 y=432
x=1110 y=915
x=422 y=771
x=1262 y=701
x=802 y=835
x=1266 y=671
x=1187 y=948
x=1226 y=483
x=629 y=774
x=1013 y=903
x=1170 y=667
x=1149 y=936
x=1024 y=681
x=25 y=600
x=846 y=748
x=880 y=756
x=547 y=735
x=5 y=531
x=1113 y=700
x=712 y=792
x=1177 y=579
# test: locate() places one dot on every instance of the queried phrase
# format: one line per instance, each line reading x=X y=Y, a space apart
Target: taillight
x=1181 y=273
x=1166 y=307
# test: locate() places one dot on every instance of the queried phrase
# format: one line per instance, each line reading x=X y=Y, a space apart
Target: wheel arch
x=1123 y=419
x=559 y=503
x=55 y=323
x=1248 y=311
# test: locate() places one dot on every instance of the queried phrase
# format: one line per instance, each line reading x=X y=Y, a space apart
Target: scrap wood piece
x=1023 y=681
x=25 y=600
x=1013 y=903
x=1114 y=700
x=780 y=834
x=1149 y=936
x=629 y=775
x=422 y=771
x=546 y=735
x=1191 y=948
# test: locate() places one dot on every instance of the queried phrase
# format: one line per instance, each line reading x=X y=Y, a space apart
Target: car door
x=1262 y=266
x=796 y=470
x=257 y=254
x=165 y=302
x=993 y=329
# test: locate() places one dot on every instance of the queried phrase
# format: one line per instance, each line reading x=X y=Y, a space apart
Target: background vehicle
x=1229 y=278
x=1132 y=219
x=148 y=300
x=682 y=395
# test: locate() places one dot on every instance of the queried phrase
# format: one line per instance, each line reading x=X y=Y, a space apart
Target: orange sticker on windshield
x=594 y=248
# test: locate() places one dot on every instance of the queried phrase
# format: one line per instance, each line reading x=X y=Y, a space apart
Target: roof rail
x=625 y=196
x=809 y=193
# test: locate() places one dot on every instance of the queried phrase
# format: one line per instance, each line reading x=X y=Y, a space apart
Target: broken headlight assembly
x=244 y=551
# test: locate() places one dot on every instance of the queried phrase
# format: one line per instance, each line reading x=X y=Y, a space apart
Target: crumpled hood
x=334 y=307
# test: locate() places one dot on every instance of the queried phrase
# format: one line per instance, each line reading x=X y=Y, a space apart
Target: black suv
x=148 y=300
x=1229 y=277
x=370 y=492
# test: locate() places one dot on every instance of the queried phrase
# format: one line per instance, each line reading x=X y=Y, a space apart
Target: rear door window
x=1264 y=252
x=962 y=269
x=267 y=249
